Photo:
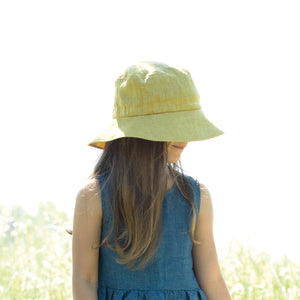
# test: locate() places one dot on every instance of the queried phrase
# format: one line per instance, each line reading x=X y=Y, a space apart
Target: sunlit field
x=35 y=262
x=35 y=255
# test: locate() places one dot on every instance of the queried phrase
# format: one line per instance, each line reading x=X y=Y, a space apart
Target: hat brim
x=182 y=126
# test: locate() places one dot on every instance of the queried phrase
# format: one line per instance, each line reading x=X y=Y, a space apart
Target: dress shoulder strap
x=196 y=192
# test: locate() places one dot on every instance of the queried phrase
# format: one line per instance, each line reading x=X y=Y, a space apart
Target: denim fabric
x=170 y=274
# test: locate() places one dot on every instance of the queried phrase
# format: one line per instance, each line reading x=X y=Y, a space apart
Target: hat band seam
x=164 y=112
x=184 y=103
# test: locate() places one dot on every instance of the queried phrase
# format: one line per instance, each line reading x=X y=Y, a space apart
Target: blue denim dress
x=170 y=274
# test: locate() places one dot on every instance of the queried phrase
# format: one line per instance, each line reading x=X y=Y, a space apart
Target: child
x=139 y=231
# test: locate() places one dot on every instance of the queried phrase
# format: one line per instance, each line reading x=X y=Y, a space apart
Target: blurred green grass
x=35 y=254
x=35 y=263
x=255 y=275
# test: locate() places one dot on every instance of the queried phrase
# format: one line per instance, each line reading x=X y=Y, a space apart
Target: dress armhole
x=105 y=202
x=196 y=192
x=197 y=196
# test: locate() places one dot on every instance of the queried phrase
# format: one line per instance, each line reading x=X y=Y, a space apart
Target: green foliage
x=35 y=254
x=35 y=262
x=255 y=275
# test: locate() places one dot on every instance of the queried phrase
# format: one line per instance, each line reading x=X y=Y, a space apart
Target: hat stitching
x=164 y=112
x=181 y=105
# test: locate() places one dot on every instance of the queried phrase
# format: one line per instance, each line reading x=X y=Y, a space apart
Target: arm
x=86 y=236
x=206 y=266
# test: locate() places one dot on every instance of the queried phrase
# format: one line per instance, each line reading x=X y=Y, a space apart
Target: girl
x=139 y=231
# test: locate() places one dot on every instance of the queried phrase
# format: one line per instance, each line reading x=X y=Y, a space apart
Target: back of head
x=137 y=172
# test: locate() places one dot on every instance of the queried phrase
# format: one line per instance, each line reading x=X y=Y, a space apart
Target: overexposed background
x=58 y=64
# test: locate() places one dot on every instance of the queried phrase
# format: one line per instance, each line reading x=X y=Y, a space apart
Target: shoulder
x=193 y=182
x=205 y=195
x=88 y=199
x=200 y=187
x=206 y=202
x=195 y=189
x=201 y=193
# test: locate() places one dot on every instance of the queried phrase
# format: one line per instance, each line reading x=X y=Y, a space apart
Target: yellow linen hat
x=156 y=102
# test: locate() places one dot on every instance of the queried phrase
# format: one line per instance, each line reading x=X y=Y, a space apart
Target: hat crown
x=153 y=88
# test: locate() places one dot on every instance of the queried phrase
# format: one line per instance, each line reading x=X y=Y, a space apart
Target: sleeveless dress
x=169 y=275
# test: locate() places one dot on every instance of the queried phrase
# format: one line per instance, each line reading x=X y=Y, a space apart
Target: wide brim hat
x=156 y=102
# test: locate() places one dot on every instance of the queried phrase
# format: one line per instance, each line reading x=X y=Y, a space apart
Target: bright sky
x=58 y=64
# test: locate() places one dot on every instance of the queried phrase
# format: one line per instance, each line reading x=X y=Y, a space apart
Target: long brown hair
x=137 y=173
